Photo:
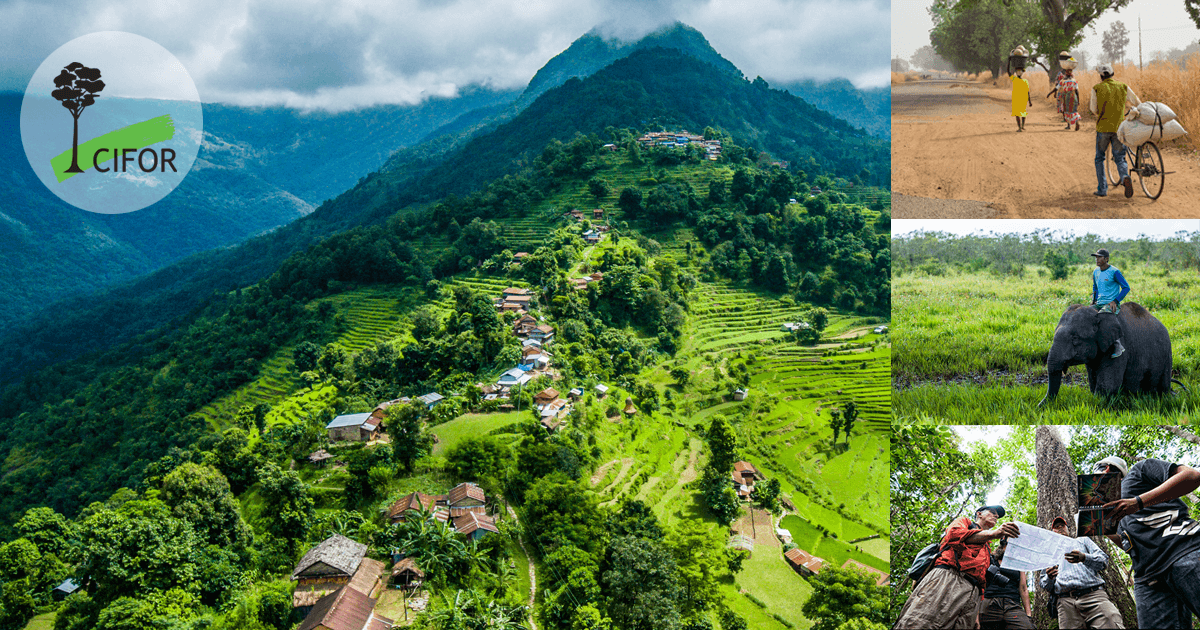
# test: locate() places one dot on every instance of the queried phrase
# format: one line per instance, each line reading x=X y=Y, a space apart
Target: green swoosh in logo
x=135 y=136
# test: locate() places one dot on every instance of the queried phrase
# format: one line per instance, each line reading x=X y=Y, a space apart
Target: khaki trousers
x=944 y=600
x=1093 y=610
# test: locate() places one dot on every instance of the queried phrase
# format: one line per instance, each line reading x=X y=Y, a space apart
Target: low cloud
x=320 y=55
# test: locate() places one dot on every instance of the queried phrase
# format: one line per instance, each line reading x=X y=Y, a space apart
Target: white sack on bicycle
x=1146 y=113
x=1133 y=133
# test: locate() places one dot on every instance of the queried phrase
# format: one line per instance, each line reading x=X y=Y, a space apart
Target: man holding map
x=1079 y=585
x=949 y=596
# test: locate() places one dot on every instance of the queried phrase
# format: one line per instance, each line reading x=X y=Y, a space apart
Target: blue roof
x=348 y=420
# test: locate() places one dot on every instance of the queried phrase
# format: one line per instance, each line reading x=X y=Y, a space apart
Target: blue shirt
x=1108 y=285
x=1073 y=576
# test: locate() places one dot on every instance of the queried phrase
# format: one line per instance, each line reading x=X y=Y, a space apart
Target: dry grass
x=902 y=77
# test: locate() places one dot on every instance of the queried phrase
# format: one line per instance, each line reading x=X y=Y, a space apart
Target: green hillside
x=702 y=263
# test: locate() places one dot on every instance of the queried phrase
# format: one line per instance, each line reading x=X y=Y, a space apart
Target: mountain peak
x=603 y=45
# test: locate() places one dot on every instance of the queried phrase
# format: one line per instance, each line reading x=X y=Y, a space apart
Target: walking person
x=1067 y=91
x=1020 y=97
x=948 y=597
x=1109 y=98
x=1078 y=583
x=1156 y=530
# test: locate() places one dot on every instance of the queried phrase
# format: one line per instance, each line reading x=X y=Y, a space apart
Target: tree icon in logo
x=78 y=86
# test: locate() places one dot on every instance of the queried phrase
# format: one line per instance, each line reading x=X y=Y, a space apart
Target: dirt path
x=955 y=145
x=532 y=573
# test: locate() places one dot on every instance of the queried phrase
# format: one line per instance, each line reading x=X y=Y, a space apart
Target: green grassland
x=42 y=622
x=971 y=347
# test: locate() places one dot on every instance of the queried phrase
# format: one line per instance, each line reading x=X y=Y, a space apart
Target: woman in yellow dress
x=1020 y=97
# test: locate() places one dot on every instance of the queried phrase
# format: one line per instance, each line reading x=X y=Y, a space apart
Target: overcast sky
x=309 y=53
x=1111 y=228
x=1165 y=25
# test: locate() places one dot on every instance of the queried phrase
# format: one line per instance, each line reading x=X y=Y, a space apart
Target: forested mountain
x=259 y=168
x=869 y=108
x=650 y=89
x=593 y=51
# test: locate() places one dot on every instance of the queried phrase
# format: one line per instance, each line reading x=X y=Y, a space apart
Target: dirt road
x=956 y=153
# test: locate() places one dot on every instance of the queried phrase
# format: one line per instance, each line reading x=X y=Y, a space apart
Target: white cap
x=1115 y=461
x=1104 y=69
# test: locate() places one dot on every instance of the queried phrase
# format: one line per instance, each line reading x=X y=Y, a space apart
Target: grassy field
x=476 y=424
x=971 y=347
x=44 y=621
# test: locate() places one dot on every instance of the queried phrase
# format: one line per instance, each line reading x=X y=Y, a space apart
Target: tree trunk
x=1058 y=495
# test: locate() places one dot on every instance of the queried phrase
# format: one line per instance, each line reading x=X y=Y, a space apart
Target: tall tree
x=78 y=86
x=1116 y=38
x=1062 y=28
x=1057 y=492
x=840 y=595
x=977 y=36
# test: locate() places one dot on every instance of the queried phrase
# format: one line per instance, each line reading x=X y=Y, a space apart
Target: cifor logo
x=122 y=152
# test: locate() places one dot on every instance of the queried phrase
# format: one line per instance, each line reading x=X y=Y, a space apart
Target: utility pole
x=1140 y=42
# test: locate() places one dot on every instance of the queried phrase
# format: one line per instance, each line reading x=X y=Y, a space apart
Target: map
x=1035 y=549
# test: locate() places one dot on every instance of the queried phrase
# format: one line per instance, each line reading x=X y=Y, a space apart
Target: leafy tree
x=732 y=621
x=899 y=65
x=158 y=609
x=50 y=531
x=840 y=595
x=681 y=376
x=722 y=445
x=200 y=495
x=426 y=323
x=287 y=506
x=561 y=511
x=634 y=518
x=1116 y=38
x=404 y=427
x=77 y=88
x=1056 y=262
x=977 y=36
x=641 y=587
x=305 y=356
x=699 y=552
x=598 y=187
x=477 y=458
x=835 y=423
x=135 y=548
x=587 y=617
x=719 y=495
x=766 y=494
x=849 y=416
x=630 y=202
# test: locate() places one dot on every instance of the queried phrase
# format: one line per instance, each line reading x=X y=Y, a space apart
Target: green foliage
x=1056 y=262
x=640 y=583
x=200 y=495
x=409 y=440
x=560 y=511
x=977 y=36
x=287 y=506
x=481 y=459
x=157 y=609
x=766 y=495
x=840 y=595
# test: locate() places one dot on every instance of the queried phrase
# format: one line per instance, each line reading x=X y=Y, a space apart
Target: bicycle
x=1147 y=163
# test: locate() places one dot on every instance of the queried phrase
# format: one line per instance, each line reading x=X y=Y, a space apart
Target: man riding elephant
x=1108 y=289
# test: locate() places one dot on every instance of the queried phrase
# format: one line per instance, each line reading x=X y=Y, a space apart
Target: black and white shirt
x=1157 y=535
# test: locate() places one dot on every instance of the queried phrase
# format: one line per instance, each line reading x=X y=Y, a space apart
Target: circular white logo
x=111 y=122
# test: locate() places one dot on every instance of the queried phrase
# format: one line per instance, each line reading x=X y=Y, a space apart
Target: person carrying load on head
x=1109 y=287
x=1109 y=98
x=1020 y=86
x=948 y=595
x=1066 y=87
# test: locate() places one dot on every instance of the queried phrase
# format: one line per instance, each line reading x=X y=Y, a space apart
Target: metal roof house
x=356 y=427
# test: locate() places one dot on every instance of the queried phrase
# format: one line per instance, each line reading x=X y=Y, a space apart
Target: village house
x=552 y=414
x=744 y=476
x=575 y=394
x=794 y=326
x=803 y=562
x=534 y=359
x=739 y=394
x=592 y=237
x=579 y=284
x=67 y=587
x=466 y=498
x=334 y=563
x=353 y=427
x=531 y=343
x=542 y=333
x=430 y=400
x=520 y=256
x=409 y=505
x=601 y=390
x=474 y=525
x=784 y=535
x=514 y=377
x=522 y=326
x=345 y=609
x=405 y=572
x=576 y=214
x=512 y=292
x=598 y=214
x=545 y=397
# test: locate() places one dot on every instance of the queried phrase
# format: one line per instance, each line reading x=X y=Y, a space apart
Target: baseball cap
x=1101 y=253
x=1056 y=521
x=1114 y=460
x=998 y=509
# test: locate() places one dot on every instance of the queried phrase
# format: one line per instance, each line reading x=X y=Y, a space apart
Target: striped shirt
x=1073 y=576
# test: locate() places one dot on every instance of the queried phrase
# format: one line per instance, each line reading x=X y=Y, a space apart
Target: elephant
x=1085 y=336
